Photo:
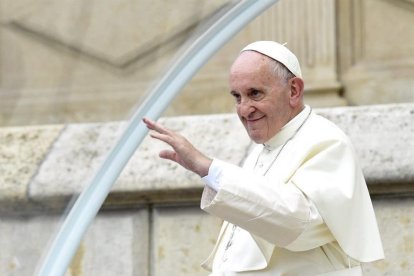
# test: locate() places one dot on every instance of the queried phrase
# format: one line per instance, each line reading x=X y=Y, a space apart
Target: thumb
x=168 y=154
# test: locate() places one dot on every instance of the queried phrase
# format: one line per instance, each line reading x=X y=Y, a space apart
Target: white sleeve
x=212 y=178
x=276 y=211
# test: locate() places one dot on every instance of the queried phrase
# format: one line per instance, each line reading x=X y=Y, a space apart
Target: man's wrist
x=205 y=166
x=212 y=179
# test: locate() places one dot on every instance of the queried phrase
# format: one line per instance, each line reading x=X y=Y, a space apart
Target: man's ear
x=296 y=91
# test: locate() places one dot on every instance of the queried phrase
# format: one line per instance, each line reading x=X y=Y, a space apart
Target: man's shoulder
x=320 y=128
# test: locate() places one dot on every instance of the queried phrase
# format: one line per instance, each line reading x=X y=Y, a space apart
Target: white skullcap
x=277 y=52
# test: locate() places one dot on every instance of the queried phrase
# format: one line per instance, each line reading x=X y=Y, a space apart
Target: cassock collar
x=287 y=130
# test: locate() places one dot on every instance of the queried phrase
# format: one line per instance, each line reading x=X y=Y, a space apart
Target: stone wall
x=150 y=223
x=92 y=61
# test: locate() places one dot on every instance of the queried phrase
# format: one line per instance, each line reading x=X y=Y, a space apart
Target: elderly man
x=300 y=204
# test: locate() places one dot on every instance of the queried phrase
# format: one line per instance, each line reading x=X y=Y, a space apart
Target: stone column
x=308 y=29
x=376 y=46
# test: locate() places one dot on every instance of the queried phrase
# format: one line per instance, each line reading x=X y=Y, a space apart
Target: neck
x=299 y=109
x=296 y=111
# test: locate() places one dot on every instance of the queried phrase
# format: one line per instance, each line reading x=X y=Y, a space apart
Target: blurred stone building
x=66 y=63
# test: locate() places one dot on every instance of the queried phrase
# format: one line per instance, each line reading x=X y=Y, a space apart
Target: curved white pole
x=91 y=199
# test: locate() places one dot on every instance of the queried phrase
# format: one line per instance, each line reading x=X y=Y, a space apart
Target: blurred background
x=71 y=72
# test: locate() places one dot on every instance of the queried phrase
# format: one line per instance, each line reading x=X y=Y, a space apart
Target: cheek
x=237 y=107
x=239 y=115
x=276 y=115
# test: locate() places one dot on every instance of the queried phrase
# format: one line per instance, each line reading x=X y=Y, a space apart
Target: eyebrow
x=254 y=89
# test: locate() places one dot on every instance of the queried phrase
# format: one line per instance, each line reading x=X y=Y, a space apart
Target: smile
x=254 y=120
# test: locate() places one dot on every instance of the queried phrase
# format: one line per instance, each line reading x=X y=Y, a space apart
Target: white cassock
x=300 y=203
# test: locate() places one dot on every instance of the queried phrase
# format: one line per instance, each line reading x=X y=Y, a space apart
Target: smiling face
x=264 y=102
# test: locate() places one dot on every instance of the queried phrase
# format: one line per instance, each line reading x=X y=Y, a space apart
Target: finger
x=162 y=137
x=150 y=123
x=156 y=126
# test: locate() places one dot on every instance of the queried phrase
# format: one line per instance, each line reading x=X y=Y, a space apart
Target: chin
x=257 y=140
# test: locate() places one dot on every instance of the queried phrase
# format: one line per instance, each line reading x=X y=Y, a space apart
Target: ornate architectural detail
x=375 y=50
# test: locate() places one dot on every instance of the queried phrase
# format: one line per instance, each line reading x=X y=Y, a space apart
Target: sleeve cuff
x=212 y=178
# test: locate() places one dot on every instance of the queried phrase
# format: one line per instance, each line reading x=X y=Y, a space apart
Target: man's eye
x=256 y=94
x=236 y=97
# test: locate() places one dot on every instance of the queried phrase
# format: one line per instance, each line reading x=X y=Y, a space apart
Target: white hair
x=280 y=71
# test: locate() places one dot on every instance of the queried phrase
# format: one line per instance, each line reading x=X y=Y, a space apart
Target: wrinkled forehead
x=252 y=69
x=250 y=61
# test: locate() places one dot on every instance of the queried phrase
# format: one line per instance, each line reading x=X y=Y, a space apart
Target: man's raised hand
x=183 y=152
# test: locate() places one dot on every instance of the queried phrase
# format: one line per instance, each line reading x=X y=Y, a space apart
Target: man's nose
x=245 y=108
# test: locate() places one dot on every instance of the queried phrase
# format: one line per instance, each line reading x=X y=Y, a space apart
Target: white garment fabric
x=304 y=210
